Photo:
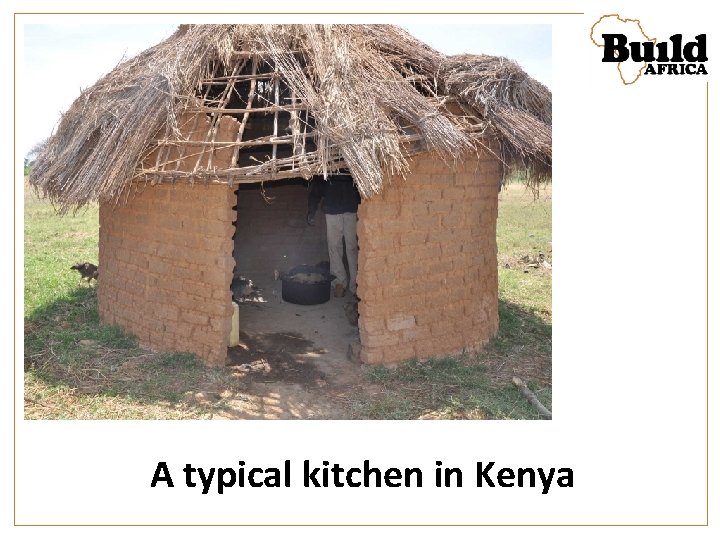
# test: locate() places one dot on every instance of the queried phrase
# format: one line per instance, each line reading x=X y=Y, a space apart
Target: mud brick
x=442 y=327
x=381 y=210
x=454 y=311
x=440 y=267
x=399 y=259
x=411 y=208
x=386 y=278
x=380 y=243
x=466 y=179
x=381 y=340
x=412 y=302
x=451 y=193
x=412 y=272
x=400 y=321
x=442 y=206
x=371 y=356
x=216 y=356
x=427 y=348
x=428 y=195
x=413 y=238
x=449 y=249
x=413 y=334
x=429 y=255
x=454 y=219
x=372 y=326
x=394 y=227
x=194 y=317
x=166 y=312
x=399 y=353
x=428 y=316
x=159 y=266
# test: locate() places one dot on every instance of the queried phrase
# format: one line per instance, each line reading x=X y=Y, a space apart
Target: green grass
x=525 y=230
x=52 y=244
x=446 y=388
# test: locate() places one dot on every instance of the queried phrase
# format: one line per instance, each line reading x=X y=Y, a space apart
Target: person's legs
x=335 y=247
x=351 y=248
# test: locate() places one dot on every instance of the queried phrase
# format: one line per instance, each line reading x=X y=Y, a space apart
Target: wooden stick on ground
x=532 y=398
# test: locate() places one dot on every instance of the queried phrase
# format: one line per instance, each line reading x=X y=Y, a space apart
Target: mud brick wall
x=275 y=236
x=166 y=265
x=427 y=268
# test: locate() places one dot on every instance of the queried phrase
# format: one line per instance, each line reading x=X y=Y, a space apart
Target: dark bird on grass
x=87 y=270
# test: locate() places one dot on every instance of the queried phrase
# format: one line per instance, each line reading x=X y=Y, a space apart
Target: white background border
x=629 y=343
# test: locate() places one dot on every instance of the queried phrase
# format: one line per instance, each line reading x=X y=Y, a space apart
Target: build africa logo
x=625 y=42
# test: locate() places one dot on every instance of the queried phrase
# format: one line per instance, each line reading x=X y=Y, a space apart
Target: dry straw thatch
x=366 y=95
x=518 y=107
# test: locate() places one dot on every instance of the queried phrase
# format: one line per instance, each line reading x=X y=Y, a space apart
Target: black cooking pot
x=306 y=294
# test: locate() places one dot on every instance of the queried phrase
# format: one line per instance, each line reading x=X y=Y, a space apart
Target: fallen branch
x=532 y=398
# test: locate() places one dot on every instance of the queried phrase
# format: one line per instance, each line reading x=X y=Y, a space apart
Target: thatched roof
x=248 y=103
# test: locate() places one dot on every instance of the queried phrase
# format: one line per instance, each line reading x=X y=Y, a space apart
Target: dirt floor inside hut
x=293 y=358
x=294 y=361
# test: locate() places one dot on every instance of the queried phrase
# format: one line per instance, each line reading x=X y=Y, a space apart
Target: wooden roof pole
x=246 y=115
x=183 y=149
x=215 y=124
x=275 y=120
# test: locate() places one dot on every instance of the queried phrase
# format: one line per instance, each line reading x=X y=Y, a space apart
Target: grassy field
x=78 y=368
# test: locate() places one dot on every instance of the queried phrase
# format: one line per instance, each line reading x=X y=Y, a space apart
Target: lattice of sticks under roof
x=273 y=114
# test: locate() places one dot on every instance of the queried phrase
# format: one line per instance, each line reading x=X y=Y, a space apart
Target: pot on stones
x=306 y=285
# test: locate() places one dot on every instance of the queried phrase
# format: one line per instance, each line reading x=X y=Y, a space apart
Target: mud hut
x=199 y=150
